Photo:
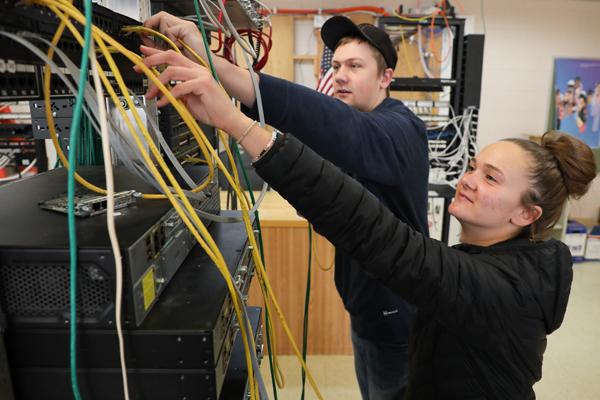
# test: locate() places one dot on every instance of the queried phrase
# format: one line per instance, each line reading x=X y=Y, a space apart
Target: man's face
x=356 y=79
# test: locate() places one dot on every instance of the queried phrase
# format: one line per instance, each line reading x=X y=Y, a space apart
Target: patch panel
x=19 y=86
x=21 y=70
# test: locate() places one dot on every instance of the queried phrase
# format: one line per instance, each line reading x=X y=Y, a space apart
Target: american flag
x=325 y=84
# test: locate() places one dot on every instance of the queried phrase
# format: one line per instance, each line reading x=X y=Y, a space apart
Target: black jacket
x=386 y=151
x=484 y=312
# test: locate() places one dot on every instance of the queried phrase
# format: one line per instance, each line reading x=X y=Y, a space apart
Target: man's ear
x=388 y=75
x=527 y=216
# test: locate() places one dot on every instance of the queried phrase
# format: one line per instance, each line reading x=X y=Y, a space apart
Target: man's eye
x=490 y=178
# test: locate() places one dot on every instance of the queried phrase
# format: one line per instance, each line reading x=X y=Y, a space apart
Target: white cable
x=168 y=152
x=19 y=175
x=421 y=55
x=266 y=18
x=214 y=4
x=4 y=160
x=245 y=46
x=207 y=22
x=110 y=214
x=128 y=155
x=211 y=16
x=261 y=118
x=447 y=33
x=256 y=87
x=98 y=103
x=453 y=159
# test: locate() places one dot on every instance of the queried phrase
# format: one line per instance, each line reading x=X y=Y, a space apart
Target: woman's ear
x=527 y=216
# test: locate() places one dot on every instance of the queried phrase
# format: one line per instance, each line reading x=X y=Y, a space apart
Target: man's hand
x=175 y=29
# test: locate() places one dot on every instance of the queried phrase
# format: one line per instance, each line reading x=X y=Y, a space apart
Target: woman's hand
x=196 y=87
x=175 y=29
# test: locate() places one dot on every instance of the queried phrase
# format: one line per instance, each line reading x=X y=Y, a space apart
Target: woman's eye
x=491 y=178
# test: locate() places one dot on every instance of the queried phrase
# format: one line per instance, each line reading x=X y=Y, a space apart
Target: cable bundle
x=453 y=158
x=144 y=158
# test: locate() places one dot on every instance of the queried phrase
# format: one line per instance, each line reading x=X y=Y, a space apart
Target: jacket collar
x=518 y=242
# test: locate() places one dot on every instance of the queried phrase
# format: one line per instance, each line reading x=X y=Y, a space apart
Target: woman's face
x=489 y=193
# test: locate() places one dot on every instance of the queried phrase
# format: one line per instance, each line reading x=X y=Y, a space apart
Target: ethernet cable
x=265 y=187
x=232 y=163
x=207 y=22
x=122 y=83
x=109 y=88
x=214 y=20
x=455 y=156
x=235 y=302
x=92 y=104
x=265 y=282
x=4 y=160
x=20 y=174
x=143 y=29
x=66 y=163
x=110 y=220
x=252 y=76
x=59 y=149
x=412 y=19
x=273 y=360
x=124 y=155
x=261 y=116
x=266 y=18
x=198 y=58
x=276 y=373
x=248 y=49
x=110 y=195
x=422 y=55
x=71 y=196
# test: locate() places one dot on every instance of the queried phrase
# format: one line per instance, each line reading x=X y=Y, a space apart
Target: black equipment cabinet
x=181 y=350
x=464 y=84
x=466 y=70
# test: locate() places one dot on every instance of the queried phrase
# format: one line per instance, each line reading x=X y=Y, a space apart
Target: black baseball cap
x=339 y=26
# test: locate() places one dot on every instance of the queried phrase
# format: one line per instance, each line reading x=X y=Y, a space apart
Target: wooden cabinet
x=285 y=238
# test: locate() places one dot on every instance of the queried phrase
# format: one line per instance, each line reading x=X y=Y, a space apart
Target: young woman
x=486 y=305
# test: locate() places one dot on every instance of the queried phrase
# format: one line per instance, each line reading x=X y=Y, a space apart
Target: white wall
x=522 y=39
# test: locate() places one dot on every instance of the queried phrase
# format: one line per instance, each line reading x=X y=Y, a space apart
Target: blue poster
x=577 y=98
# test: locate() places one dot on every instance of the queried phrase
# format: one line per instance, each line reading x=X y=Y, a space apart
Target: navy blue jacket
x=386 y=151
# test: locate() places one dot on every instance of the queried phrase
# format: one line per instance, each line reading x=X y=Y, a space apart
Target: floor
x=571 y=364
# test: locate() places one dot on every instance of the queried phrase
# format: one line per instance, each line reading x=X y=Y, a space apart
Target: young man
x=372 y=137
